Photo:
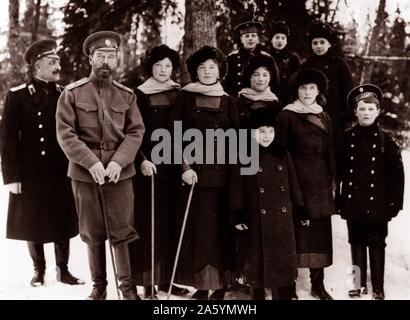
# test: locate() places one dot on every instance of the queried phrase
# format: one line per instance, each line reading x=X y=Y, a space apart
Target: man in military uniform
x=41 y=204
x=248 y=37
x=100 y=129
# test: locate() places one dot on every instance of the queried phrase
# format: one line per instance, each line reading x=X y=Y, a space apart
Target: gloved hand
x=391 y=210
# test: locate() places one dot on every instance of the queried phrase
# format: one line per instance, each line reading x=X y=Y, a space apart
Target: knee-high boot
x=97 y=263
x=318 y=287
x=36 y=251
x=359 y=259
x=377 y=257
x=124 y=272
x=62 y=253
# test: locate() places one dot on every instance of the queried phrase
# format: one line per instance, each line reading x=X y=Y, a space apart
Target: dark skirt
x=207 y=250
x=372 y=234
x=164 y=230
x=314 y=243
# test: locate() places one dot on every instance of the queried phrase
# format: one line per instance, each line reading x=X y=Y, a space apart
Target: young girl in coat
x=269 y=199
x=372 y=186
x=156 y=98
x=306 y=131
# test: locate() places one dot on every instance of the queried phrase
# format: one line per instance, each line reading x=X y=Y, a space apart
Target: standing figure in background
x=248 y=37
x=34 y=168
x=307 y=133
x=325 y=59
x=372 y=187
x=207 y=251
x=156 y=98
x=286 y=61
x=100 y=129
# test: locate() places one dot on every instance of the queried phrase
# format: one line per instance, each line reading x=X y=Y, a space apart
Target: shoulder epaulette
x=121 y=86
x=31 y=89
x=59 y=88
x=22 y=86
x=233 y=52
x=265 y=53
x=77 y=84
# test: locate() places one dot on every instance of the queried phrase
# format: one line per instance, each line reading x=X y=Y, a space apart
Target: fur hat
x=279 y=27
x=256 y=62
x=158 y=53
x=203 y=54
x=321 y=30
x=260 y=117
x=362 y=92
x=308 y=75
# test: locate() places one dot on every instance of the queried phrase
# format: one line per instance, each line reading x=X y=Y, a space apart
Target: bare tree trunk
x=368 y=64
x=200 y=29
x=13 y=42
x=36 y=18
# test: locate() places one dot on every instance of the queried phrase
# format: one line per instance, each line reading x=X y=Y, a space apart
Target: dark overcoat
x=45 y=210
x=372 y=177
x=236 y=59
x=340 y=83
x=155 y=111
x=267 y=250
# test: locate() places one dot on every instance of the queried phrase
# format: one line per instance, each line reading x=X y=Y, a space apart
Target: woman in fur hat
x=257 y=77
x=306 y=131
x=265 y=205
x=156 y=98
x=207 y=250
x=286 y=61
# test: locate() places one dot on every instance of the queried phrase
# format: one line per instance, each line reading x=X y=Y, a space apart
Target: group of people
x=321 y=152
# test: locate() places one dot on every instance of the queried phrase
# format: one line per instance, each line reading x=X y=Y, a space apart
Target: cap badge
x=108 y=42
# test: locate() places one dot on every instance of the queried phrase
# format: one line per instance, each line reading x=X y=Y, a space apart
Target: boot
x=318 y=288
x=218 y=294
x=285 y=293
x=124 y=273
x=359 y=259
x=62 y=252
x=176 y=291
x=257 y=293
x=36 y=251
x=376 y=255
x=200 y=295
x=148 y=294
x=97 y=263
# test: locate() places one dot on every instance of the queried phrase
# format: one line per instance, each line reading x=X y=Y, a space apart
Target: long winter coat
x=30 y=154
x=267 y=250
x=155 y=111
x=340 y=83
x=372 y=176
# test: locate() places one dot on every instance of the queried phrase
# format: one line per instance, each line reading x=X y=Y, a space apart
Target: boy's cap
x=248 y=27
x=363 y=91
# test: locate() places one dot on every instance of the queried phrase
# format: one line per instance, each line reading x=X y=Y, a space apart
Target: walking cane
x=152 y=239
x=107 y=230
x=181 y=236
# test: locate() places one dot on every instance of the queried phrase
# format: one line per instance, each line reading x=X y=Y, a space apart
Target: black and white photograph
x=227 y=150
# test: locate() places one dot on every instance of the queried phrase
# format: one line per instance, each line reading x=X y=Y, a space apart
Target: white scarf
x=152 y=86
x=213 y=90
x=299 y=107
x=251 y=94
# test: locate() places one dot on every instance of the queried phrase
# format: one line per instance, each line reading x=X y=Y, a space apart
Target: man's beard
x=104 y=72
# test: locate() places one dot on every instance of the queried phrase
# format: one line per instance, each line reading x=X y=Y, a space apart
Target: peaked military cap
x=40 y=49
x=108 y=40
x=362 y=92
x=248 y=27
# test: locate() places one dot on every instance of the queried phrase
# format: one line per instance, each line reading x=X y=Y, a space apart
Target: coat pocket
x=87 y=115
x=118 y=114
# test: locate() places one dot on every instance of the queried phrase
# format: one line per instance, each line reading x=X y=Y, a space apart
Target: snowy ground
x=16 y=267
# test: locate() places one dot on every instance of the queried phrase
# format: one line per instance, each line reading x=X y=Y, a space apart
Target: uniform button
x=349 y=196
x=372 y=185
x=352 y=145
x=352 y=134
x=39 y=113
x=155 y=110
x=263 y=211
x=239 y=83
x=261 y=190
x=197 y=111
x=216 y=126
x=239 y=64
x=372 y=172
x=43 y=153
x=351 y=158
x=41 y=139
x=260 y=169
x=350 y=183
x=284 y=209
x=238 y=73
x=373 y=159
x=282 y=188
x=376 y=134
x=280 y=168
x=40 y=126
x=351 y=170
x=367 y=211
x=371 y=198
x=374 y=146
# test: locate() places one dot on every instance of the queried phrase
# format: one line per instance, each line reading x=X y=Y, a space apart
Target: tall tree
x=13 y=43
